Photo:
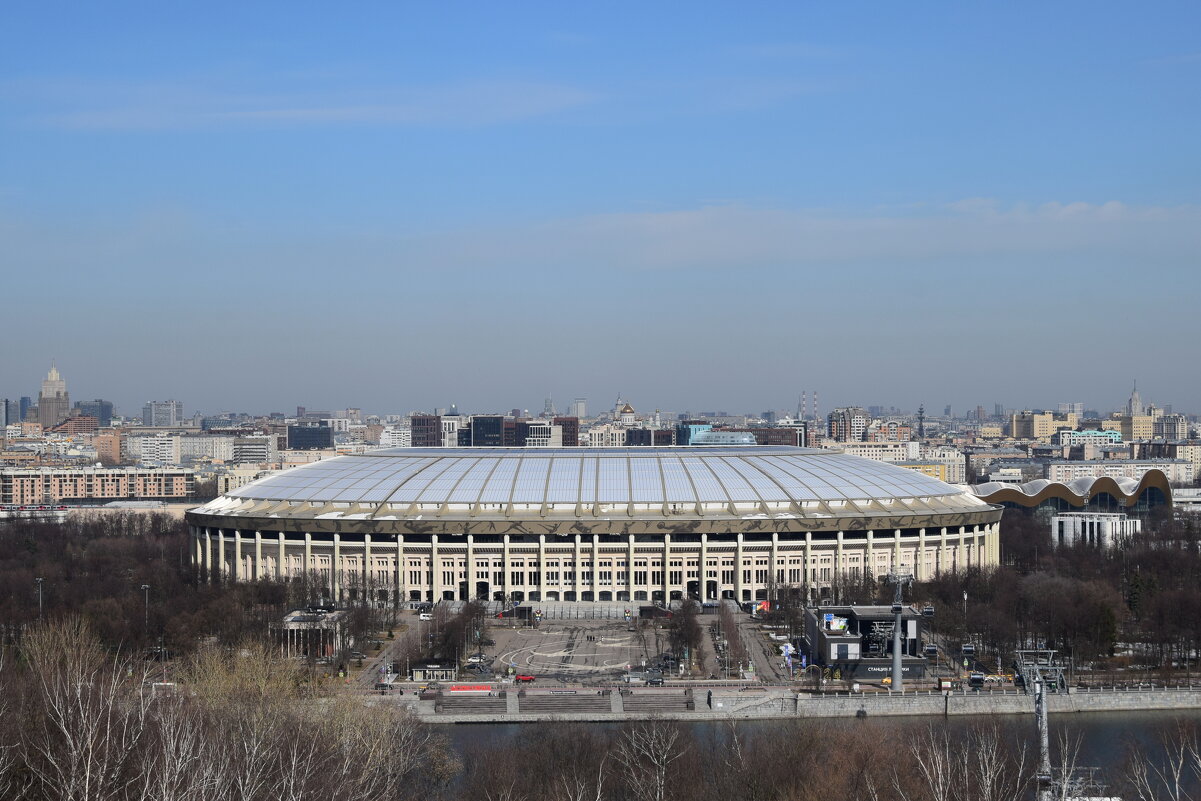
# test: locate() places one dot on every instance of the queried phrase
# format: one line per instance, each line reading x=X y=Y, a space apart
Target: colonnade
x=588 y=567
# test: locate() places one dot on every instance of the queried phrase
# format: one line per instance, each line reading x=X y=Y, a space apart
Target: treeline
x=94 y=567
x=1081 y=600
x=1135 y=604
x=80 y=723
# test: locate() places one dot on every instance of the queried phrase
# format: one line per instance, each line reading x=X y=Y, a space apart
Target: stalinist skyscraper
x=53 y=403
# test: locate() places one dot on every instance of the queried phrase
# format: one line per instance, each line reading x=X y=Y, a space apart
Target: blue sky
x=695 y=205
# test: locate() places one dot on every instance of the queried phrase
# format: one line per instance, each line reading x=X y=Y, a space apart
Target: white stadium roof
x=741 y=481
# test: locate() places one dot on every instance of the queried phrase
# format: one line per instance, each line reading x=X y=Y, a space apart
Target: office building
x=847 y=424
x=162 y=414
x=427 y=431
x=307 y=437
x=102 y=410
x=53 y=403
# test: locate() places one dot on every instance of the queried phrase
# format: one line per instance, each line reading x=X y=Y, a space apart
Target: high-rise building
x=102 y=410
x=1134 y=406
x=571 y=429
x=162 y=414
x=310 y=437
x=579 y=408
x=426 y=430
x=487 y=430
x=53 y=403
x=10 y=412
x=847 y=424
x=1072 y=408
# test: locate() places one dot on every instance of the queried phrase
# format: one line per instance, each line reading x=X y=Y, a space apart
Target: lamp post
x=39 y=580
x=146 y=620
x=965 y=615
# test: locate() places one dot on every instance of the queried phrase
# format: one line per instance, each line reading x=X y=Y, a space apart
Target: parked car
x=524 y=678
x=478 y=659
x=655 y=681
x=384 y=687
x=425 y=615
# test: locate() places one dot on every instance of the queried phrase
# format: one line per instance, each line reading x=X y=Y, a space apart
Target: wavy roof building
x=1152 y=489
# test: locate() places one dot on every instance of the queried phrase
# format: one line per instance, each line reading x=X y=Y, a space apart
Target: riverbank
x=768 y=704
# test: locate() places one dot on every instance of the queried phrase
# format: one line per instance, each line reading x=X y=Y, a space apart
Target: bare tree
x=90 y=715
x=1169 y=776
x=646 y=752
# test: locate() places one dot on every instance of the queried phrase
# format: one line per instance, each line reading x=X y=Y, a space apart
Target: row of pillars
x=983 y=541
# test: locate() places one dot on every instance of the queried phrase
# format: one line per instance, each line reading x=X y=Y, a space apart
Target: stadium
x=581 y=524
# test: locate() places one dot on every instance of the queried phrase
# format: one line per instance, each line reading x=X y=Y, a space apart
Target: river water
x=1105 y=738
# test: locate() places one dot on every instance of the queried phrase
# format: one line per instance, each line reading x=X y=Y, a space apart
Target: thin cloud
x=88 y=106
x=784 y=51
x=739 y=237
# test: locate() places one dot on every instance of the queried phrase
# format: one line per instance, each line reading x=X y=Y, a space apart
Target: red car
x=522 y=677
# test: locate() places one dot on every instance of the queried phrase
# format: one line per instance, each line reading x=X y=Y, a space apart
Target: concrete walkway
x=724 y=703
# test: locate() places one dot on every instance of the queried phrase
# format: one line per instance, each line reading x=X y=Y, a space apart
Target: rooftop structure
x=1105 y=492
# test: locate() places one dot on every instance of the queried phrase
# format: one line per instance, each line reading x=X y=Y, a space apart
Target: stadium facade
x=607 y=524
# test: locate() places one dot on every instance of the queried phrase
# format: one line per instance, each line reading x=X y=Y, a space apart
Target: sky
x=697 y=206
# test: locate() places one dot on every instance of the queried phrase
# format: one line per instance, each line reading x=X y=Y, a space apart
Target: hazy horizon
x=401 y=208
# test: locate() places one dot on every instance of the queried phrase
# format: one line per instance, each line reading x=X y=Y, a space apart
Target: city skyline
x=942 y=205
x=809 y=400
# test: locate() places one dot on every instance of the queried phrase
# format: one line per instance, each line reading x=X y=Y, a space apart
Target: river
x=1105 y=737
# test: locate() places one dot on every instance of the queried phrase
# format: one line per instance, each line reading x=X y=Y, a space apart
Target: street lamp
x=39 y=580
x=965 y=629
x=146 y=592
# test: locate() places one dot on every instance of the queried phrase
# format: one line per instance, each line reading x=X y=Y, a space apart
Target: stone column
x=542 y=567
x=308 y=554
x=595 y=566
x=368 y=575
x=436 y=569
x=919 y=566
x=258 y=555
x=810 y=573
x=577 y=583
x=667 y=569
x=896 y=550
x=772 y=560
x=738 y=570
x=508 y=568
x=336 y=569
x=942 y=550
x=870 y=555
x=961 y=553
x=280 y=562
x=221 y=554
x=238 y=555
x=208 y=555
x=470 y=571
x=401 y=578
x=630 y=567
x=702 y=568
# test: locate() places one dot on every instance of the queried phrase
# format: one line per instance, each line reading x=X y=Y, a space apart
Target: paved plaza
x=576 y=651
